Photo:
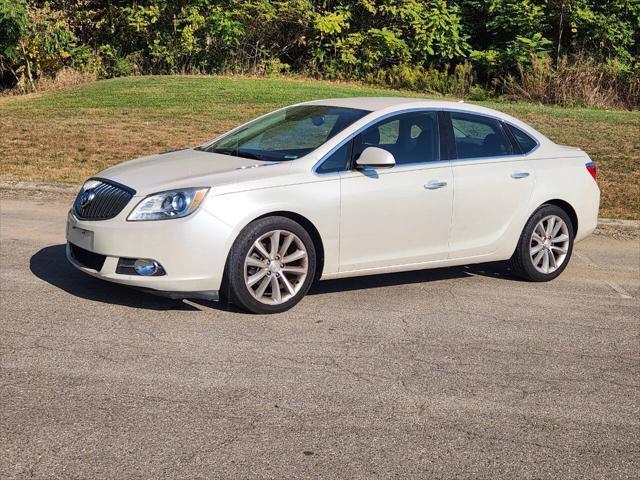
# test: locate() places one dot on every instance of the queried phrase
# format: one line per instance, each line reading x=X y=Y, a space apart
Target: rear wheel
x=271 y=265
x=545 y=246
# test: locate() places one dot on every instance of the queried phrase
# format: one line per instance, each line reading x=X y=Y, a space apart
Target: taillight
x=591 y=166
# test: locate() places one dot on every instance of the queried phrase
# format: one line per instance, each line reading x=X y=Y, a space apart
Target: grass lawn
x=70 y=134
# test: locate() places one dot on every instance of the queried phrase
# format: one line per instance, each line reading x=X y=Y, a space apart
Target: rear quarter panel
x=567 y=178
x=560 y=175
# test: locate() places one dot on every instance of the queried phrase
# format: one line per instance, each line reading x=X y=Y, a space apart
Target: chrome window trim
x=501 y=158
x=401 y=168
x=452 y=162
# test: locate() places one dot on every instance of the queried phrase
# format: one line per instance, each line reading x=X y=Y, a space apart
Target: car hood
x=186 y=168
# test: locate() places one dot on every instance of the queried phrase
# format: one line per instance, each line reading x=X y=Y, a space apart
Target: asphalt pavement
x=449 y=373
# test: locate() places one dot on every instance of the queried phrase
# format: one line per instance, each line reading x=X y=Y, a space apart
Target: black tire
x=238 y=292
x=521 y=262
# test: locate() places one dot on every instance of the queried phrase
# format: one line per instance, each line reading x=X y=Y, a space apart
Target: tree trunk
x=26 y=59
x=560 y=29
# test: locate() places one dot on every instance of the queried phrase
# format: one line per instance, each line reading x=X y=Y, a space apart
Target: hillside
x=70 y=134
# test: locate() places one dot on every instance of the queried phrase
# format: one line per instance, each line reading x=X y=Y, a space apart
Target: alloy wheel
x=276 y=267
x=549 y=244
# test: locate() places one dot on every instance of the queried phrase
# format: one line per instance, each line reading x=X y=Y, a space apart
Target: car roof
x=375 y=104
x=363 y=103
x=390 y=104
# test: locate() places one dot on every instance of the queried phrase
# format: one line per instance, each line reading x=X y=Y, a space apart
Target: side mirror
x=375 y=157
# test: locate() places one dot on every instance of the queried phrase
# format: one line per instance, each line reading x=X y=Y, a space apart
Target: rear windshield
x=287 y=134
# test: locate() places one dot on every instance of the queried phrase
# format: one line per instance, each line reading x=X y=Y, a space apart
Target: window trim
x=444 y=115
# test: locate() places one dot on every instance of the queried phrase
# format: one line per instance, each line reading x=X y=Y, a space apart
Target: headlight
x=166 y=205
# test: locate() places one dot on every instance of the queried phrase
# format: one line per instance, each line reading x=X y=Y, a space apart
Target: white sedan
x=336 y=188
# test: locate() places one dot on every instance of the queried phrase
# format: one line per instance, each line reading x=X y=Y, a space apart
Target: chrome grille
x=102 y=201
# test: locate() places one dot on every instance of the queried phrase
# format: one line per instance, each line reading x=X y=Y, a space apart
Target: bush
x=579 y=81
x=110 y=63
x=67 y=77
x=13 y=25
x=478 y=94
x=463 y=48
x=456 y=81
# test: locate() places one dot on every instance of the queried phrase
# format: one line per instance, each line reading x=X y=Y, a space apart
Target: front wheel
x=545 y=246
x=271 y=266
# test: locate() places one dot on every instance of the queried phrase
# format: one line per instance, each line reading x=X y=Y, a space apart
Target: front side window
x=287 y=134
x=410 y=137
x=477 y=136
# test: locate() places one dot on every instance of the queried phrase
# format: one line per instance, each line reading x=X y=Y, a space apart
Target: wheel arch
x=568 y=208
x=563 y=204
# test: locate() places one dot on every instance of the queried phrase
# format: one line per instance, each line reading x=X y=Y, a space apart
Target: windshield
x=287 y=134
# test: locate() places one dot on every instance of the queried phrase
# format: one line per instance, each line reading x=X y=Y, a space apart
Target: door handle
x=518 y=175
x=434 y=185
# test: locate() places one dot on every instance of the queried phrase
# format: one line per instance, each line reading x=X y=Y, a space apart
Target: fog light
x=139 y=266
x=146 y=267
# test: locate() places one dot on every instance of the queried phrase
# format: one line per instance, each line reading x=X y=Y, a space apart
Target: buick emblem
x=87 y=197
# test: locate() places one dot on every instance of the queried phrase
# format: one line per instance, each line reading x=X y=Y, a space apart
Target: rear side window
x=525 y=142
x=477 y=136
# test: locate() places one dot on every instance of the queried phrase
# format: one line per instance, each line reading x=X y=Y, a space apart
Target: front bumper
x=192 y=251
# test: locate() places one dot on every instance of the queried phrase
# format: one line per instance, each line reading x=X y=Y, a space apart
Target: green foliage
x=521 y=50
x=44 y=43
x=417 y=44
x=524 y=18
x=454 y=81
x=357 y=38
x=13 y=26
x=112 y=64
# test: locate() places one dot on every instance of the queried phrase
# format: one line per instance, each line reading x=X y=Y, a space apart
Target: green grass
x=70 y=134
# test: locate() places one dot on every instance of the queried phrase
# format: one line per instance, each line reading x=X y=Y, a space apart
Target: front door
x=400 y=215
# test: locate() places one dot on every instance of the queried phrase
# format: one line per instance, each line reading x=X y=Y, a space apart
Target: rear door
x=400 y=215
x=493 y=183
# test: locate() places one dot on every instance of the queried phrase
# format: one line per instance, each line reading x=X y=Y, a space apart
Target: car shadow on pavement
x=51 y=265
x=494 y=270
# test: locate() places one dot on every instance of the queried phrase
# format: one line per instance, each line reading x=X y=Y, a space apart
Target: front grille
x=102 y=201
x=88 y=259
